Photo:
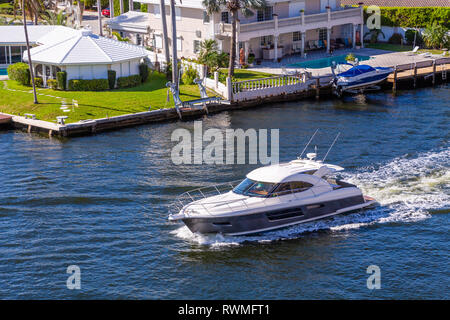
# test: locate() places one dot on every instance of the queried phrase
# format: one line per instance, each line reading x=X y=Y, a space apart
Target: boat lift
x=192 y=104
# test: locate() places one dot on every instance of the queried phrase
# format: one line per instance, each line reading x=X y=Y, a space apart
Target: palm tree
x=174 y=45
x=99 y=11
x=164 y=27
x=56 y=18
x=233 y=6
x=33 y=8
x=28 y=51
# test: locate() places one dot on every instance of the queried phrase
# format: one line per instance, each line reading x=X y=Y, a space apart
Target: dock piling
x=394 y=85
x=317 y=88
x=434 y=72
x=415 y=75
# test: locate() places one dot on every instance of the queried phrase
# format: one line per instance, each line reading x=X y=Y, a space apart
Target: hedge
x=413 y=17
x=20 y=72
x=61 y=78
x=130 y=81
x=143 y=72
x=111 y=79
x=88 y=85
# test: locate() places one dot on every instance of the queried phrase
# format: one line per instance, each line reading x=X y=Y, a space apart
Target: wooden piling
x=415 y=75
x=394 y=85
x=434 y=72
x=317 y=88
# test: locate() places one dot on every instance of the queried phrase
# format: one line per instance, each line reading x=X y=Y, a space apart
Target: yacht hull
x=274 y=219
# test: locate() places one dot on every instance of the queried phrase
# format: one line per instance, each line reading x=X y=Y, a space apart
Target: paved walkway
x=379 y=58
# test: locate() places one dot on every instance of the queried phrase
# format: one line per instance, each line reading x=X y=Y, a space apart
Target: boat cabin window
x=253 y=188
x=291 y=187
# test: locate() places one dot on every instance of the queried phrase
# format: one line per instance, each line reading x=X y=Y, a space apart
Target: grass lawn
x=248 y=74
x=92 y=104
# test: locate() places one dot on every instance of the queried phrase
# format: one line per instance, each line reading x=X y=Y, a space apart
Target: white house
x=84 y=55
x=284 y=27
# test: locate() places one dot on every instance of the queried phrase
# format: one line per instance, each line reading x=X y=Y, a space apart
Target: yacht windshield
x=253 y=188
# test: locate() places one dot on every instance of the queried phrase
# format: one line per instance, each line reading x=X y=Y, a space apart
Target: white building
x=290 y=26
x=84 y=55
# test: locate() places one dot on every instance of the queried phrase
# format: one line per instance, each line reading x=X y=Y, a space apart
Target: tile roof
x=399 y=3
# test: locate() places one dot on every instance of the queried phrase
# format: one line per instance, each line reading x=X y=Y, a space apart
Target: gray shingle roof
x=399 y=3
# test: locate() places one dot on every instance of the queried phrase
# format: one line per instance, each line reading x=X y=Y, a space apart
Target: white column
x=111 y=8
x=121 y=6
x=303 y=43
x=246 y=51
x=361 y=35
x=328 y=39
x=275 y=46
x=238 y=27
x=10 y=55
x=44 y=74
x=130 y=5
x=354 y=36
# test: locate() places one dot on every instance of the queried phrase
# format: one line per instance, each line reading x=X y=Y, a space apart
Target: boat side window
x=300 y=186
x=260 y=189
x=242 y=187
x=282 y=189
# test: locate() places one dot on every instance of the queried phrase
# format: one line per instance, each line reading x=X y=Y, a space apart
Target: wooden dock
x=423 y=73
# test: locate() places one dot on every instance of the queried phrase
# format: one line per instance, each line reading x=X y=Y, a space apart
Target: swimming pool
x=3 y=72
x=324 y=62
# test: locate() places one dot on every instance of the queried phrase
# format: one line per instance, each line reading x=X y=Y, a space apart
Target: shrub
x=52 y=83
x=143 y=72
x=144 y=7
x=61 y=78
x=396 y=38
x=436 y=36
x=88 y=85
x=189 y=75
x=130 y=81
x=350 y=57
x=38 y=82
x=111 y=79
x=409 y=37
x=251 y=58
x=413 y=16
x=20 y=72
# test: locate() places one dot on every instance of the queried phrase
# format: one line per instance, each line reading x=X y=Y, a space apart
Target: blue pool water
x=101 y=202
x=3 y=72
x=324 y=62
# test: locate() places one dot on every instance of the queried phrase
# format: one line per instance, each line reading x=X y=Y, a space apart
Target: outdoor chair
x=413 y=52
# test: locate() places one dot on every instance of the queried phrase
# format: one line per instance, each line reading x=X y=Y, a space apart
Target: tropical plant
x=55 y=18
x=233 y=6
x=436 y=36
x=374 y=34
x=396 y=38
x=119 y=38
x=30 y=64
x=350 y=57
x=33 y=8
x=210 y=56
x=189 y=75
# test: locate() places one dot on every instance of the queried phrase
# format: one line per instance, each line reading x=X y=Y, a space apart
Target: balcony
x=287 y=25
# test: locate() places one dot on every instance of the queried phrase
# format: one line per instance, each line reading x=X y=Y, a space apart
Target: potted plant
x=350 y=58
x=358 y=44
x=251 y=59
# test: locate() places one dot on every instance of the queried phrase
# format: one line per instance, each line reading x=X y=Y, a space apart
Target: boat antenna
x=304 y=149
x=337 y=136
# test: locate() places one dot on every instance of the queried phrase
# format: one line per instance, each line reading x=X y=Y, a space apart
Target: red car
x=106 y=12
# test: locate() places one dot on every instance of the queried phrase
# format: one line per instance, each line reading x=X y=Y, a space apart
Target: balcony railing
x=309 y=21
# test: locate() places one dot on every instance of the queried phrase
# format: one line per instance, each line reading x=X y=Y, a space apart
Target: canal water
x=101 y=203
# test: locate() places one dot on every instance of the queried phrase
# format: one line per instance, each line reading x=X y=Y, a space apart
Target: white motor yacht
x=271 y=197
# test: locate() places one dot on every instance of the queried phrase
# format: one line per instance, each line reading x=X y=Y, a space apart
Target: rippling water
x=101 y=203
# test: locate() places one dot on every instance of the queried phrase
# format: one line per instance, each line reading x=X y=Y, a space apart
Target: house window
x=196 y=46
x=265 y=14
x=179 y=44
x=296 y=36
x=157 y=41
x=138 y=39
x=178 y=13
x=225 y=17
x=157 y=10
x=323 y=34
x=205 y=17
x=266 y=40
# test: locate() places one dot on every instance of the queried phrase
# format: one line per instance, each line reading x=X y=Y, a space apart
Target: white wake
x=407 y=190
